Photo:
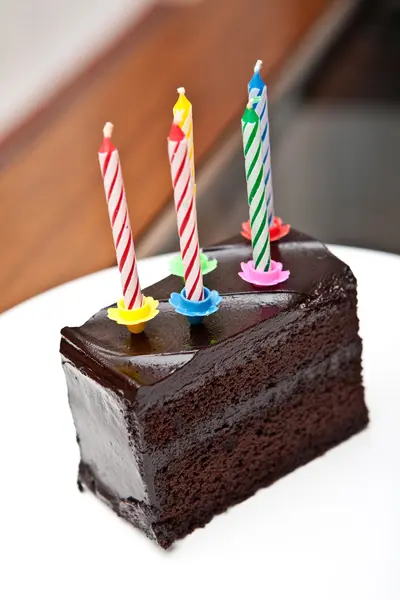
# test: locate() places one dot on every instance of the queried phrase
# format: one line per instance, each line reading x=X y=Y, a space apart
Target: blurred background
x=333 y=73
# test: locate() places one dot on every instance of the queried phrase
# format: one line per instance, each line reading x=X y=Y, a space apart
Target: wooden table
x=53 y=220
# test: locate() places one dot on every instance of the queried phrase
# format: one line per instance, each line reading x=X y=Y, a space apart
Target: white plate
x=330 y=530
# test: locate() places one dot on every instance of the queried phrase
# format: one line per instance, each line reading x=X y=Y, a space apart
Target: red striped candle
x=182 y=183
x=119 y=219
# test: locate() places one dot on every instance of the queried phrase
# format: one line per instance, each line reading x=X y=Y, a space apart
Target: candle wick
x=108 y=129
x=181 y=90
x=258 y=66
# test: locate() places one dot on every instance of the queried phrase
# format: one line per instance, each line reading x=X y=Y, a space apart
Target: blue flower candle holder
x=196 y=311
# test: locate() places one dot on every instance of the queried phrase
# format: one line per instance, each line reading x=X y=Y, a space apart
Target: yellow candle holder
x=135 y=319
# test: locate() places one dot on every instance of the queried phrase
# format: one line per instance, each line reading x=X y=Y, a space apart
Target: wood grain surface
x=53 y=219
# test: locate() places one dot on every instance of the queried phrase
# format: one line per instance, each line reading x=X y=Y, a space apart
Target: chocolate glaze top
x=169 y=342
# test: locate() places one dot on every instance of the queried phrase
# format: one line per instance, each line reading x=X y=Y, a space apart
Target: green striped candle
x=255 y=176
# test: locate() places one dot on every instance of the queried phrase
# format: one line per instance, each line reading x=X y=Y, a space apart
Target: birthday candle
x=119 y=219
x=255 y=175
x=258 y=88
x=182 y=182
x=184 y=118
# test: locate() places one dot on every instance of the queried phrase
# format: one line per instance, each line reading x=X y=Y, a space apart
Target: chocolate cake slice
x=180 y=422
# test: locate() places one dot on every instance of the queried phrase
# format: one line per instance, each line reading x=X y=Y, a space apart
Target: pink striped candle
x=182 y=183
x=119 y=219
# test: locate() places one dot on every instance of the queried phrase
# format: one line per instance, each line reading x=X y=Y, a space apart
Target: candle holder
x=277 y=231
x=206 y=264
x=134 y=319
x=195 y=311
x=273 y=276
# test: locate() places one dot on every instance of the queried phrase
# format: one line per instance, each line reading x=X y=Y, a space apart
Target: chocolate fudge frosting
x=169 y=341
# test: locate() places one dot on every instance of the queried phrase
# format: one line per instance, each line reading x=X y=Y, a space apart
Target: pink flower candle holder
x=273 y=276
